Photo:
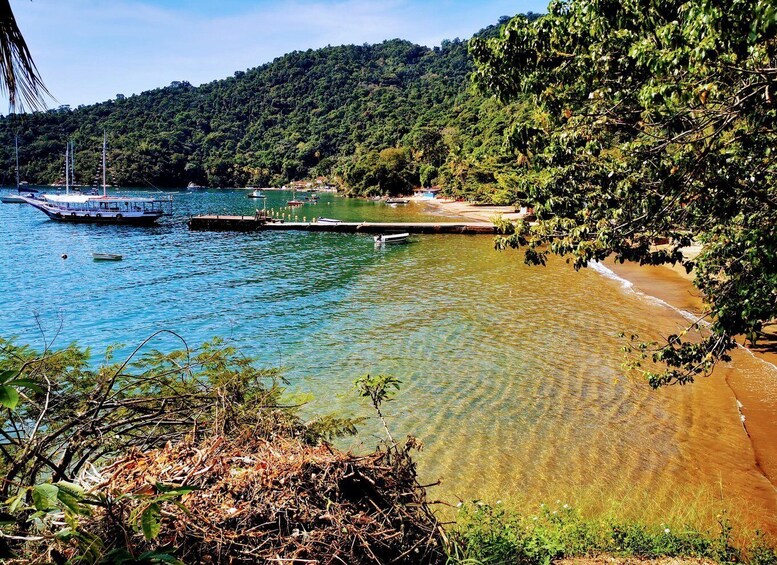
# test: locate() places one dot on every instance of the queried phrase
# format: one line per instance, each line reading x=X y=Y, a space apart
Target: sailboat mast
x=104 y=143
x=73 y=162
x=16 y=144
x=67 y=168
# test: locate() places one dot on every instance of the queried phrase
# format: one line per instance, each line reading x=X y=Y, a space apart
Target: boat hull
x=84 y=217
x=12 y=199
x=391 y=239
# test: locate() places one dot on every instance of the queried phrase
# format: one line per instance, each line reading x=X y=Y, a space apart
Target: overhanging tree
x=657 y=120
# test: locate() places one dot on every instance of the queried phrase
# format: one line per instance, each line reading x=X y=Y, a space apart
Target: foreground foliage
x=192 y=456
x=198 y=456
x=490 y=534
x=245 y=499
x=656 y=121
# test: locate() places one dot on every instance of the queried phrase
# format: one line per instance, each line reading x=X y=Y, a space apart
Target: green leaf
x=171 y=489
x=9 y=397
x=17 y=501
x=44 y=497
x=7 y=375
x=72 y=503
x=26 y=383
x=151 y=521
x=157 y=557
x=71 y=489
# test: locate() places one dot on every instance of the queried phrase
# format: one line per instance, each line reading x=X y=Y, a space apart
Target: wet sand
x=742 y=393
x=751 y=375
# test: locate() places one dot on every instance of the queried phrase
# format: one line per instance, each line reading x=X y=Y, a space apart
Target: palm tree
x=19 y=76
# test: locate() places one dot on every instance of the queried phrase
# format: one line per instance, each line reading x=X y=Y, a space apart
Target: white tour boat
x=96 y=209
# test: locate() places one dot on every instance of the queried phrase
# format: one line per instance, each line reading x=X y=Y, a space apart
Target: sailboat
x=17 y=198
x=293 y=203
x=96 y=209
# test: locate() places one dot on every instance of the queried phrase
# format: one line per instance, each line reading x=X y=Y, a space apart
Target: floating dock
x=254 y=223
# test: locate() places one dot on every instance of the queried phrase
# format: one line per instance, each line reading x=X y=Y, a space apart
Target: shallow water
x=511 y=374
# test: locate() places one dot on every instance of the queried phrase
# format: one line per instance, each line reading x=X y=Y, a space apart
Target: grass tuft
x=489 y=534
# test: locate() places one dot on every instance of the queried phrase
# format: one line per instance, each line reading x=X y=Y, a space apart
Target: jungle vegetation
x=375 y=118
x=652 y=121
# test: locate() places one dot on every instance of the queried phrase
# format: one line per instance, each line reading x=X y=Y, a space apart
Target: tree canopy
x=328 y=112
x=653 y=119
x=304 y=114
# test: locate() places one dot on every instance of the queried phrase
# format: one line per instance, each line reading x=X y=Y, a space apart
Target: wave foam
x=628 y=285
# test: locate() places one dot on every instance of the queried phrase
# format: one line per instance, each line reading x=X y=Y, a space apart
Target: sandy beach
x=465 y=210
x=747 y=384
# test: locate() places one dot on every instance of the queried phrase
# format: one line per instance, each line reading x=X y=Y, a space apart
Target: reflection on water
x=511 y=374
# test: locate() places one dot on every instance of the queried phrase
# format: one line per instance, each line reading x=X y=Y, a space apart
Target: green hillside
x=373 y=118
x=298 y=116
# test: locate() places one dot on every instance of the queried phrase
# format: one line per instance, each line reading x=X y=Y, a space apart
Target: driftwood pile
x=281 y=501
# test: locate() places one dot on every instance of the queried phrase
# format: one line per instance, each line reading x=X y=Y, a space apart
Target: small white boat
x=391 y=238
x=330 y=221
x=106 y=257
x=256 y=193
x=12 y=199
x=397 y=201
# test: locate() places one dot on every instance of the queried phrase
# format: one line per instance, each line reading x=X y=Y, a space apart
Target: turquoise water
x=199 y=284
x=511 y=375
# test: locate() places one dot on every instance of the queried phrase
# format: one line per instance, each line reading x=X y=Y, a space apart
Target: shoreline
x=751 y=376
x=452 y=208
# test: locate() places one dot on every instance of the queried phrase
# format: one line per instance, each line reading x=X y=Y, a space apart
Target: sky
x=89 y=51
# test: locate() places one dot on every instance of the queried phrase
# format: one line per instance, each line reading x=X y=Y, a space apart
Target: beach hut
x=430 y=193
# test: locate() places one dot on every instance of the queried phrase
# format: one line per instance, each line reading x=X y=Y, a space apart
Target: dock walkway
x=253 y=223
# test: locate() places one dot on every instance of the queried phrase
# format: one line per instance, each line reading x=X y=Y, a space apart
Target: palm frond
x=19 y=77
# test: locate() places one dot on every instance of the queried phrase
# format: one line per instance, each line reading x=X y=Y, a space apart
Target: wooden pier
x=254 y=223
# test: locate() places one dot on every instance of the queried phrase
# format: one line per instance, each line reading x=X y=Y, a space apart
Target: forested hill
x=328 y=112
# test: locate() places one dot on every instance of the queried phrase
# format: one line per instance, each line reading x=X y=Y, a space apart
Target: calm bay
x=511 y=375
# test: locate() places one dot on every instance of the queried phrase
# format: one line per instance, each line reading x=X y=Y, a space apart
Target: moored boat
x=12 y=199
x=106 y=257
x=19 y=197
x=85 y=208
x=96 y=209
x=256 y=193
x=331 y=221
x=294 y=203
x=397 y=201
x=391 y=238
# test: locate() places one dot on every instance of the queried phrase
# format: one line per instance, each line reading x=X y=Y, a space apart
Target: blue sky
x=90 y=50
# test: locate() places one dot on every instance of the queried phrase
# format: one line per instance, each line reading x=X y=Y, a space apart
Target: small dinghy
x=106 y=257
x=391 y=238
